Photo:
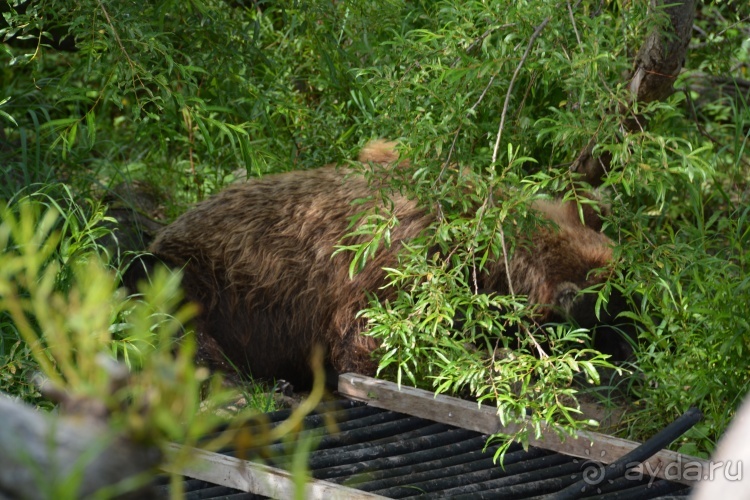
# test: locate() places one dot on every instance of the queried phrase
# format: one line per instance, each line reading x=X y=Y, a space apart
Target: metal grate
x=395 y=455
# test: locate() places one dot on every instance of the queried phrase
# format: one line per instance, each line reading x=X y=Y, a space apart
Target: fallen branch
x=40 y=454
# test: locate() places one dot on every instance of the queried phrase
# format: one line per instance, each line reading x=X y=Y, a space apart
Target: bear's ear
x=587 y=211
x=379 y=151
x=567 y=296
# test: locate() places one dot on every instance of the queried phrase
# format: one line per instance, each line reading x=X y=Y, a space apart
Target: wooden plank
x=256 y=478
x=587 y=445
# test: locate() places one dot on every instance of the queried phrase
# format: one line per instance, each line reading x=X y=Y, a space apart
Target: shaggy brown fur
x=257 y=258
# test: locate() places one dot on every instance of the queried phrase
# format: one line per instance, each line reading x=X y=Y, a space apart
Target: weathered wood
x=465 y=414
x=256 y=478
x=40 y=452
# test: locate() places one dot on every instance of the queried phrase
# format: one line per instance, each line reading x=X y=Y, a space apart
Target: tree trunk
x=655 y=69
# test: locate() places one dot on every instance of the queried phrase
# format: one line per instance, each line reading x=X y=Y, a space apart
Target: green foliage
x=77 y=233
x=194 y=89
x=186 y=94
x=63 y=306
x=63 y=312
x=696 y=348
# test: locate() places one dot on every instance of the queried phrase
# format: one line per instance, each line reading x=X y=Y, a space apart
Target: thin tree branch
x=573 y=22
x=458 y=131
x=477 y=41
x=534 y=36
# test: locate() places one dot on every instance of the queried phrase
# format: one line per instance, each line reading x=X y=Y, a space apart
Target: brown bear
x=257 y=258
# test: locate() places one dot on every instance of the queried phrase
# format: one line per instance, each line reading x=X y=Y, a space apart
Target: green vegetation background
x=187 y=96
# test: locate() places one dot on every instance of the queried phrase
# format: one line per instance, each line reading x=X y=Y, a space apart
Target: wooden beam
x=253 y=477
x=594 y=446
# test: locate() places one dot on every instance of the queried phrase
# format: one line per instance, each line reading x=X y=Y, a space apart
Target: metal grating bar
x=463 y=457
x=646 y=490
x=638 y=455
x=529 y=469
x=499 y=482
x=394 y=455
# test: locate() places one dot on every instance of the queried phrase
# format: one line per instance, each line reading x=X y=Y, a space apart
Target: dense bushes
x=182 y=95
